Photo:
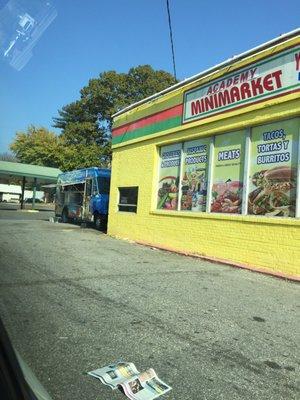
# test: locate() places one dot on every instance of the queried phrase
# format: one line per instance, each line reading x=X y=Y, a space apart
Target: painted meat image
x=227 y=197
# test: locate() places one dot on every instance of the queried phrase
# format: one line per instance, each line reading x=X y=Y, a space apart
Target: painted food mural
x=273 y=169
x=227 y=187
x=194 y=180
x=169 y=171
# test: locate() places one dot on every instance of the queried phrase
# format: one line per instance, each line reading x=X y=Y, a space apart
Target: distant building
x=12 y=193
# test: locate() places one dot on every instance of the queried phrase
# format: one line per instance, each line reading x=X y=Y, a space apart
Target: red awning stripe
x=149 y=120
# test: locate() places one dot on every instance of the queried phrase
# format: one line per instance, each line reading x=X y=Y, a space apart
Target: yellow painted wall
x=270 y=244
x=261 y=242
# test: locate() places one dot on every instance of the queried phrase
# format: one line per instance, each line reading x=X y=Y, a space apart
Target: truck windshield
x=103 y=184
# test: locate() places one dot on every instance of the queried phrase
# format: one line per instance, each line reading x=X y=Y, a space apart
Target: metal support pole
x=180 y=177
x=210 y=174
x=297 y=215
x=22 y=193
x=246 y=178
x=33 y=193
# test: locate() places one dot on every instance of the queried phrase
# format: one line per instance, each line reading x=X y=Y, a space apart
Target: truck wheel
x=98 y=222
x=64 y=216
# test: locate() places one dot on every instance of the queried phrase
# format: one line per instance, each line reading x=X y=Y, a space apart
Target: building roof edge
x=257 y=49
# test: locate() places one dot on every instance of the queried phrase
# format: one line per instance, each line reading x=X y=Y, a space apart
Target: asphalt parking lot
x=42 y=207
x=76 y=299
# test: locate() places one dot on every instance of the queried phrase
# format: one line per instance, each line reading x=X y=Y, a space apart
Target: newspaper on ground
x=115 y=374
x=136 y=385
x=145 y=386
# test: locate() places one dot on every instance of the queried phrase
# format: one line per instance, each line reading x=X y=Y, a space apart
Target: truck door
x=86 y=211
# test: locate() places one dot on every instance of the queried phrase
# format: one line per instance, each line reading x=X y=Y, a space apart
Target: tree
x=36 y=146
x=80 y=156
x=112 y=91
x=73 y=113
x=89 y=120
x=85 y=124
x=40 y=146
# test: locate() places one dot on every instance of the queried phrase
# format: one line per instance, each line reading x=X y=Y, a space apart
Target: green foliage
x=85 y=133
x=81 y=156
x=73 y=113
x=112 y=91
x=36 y=146
x=40 y=146
x=85 y=124
x=89 y=120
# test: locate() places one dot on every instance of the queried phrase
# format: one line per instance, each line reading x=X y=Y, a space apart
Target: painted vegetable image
x=227 y=197
x=274 y=192
x=194 y=191
x=168 y=193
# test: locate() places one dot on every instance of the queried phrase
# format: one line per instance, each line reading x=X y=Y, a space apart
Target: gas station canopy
x=31 y=173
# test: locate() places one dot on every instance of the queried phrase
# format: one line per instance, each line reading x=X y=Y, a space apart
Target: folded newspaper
x=136 y=385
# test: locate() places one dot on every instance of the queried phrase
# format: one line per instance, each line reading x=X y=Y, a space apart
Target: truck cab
x=82 y=195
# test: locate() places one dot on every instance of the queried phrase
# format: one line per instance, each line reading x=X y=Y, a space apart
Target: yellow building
x=210 y=166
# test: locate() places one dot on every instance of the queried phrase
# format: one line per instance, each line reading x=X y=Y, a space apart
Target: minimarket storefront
x=210 y=167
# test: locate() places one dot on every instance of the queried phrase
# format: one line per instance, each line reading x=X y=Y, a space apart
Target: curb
x=280 y=275
x=30 y=211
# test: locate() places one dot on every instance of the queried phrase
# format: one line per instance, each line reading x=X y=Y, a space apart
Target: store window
x=228 y=170
x=169 y=172
x=273 y=169
x=194 y=175
x=128 y=198
x=270 y=165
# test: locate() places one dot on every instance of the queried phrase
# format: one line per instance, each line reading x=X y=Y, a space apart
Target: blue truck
x=82 y=195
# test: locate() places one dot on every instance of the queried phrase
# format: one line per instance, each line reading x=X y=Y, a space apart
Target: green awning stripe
x=148 y=130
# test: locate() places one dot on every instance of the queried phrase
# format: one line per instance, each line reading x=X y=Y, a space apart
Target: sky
x=92 y=36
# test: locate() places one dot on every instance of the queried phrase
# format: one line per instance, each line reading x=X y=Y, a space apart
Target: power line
x=171 y=39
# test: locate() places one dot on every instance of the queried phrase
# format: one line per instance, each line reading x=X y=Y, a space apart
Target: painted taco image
x=278 y=178
x=274 y=192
